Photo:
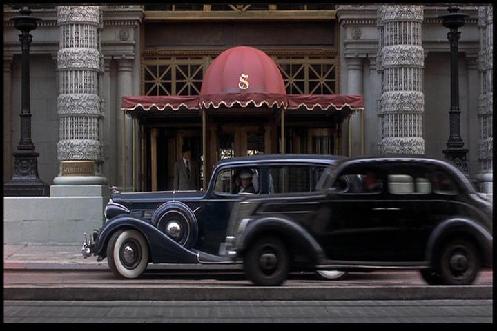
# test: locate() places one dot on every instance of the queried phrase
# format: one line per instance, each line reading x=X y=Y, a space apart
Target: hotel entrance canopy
x=243 y=77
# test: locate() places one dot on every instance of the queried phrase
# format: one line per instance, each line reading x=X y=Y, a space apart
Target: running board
x=207 y=258
x=371 y=265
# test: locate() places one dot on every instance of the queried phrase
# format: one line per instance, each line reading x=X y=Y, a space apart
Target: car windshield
x=326 y=178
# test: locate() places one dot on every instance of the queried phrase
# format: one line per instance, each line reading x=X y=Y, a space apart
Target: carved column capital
x=354 y=63
x=372 y=63
x=125 y=64
x=107 y=60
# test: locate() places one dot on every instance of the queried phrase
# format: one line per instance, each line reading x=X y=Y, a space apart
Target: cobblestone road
x=412 y=311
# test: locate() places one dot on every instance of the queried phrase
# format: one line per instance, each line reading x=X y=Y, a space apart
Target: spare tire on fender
x=177 y=221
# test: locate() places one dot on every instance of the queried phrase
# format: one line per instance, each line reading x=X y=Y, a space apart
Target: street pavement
x=58 y=272
x=367 y=311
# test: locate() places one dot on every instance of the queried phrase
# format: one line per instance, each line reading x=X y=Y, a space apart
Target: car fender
x=287 y=229
x=482 y=236
x=162 y=249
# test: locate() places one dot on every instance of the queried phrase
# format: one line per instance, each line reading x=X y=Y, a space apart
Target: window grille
x=184 y=75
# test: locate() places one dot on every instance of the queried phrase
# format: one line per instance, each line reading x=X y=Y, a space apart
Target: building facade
x=396 y=57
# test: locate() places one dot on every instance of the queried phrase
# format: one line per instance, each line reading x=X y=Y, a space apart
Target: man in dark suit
x=186 y=176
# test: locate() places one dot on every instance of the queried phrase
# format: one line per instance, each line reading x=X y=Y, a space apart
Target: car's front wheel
x=458 y=262
x=430 y=276
x=266 y=262
x=127 y=253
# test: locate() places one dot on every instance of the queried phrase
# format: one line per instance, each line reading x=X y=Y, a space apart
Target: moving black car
x=190 y=226
x=370 y=213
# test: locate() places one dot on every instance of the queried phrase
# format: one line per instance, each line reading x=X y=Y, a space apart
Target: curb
x=71 y=266
x=244 y=293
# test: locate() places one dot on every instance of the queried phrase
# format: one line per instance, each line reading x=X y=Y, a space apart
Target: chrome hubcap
x=459 y=262
x=129 y=254
x=174 y=229
x=268 y=261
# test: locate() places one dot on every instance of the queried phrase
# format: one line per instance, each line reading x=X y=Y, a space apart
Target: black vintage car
x=412 y=213
x=190 y=226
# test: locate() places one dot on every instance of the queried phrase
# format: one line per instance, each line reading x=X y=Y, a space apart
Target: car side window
x=243 y=180
x=406 y=184
x=291 y=179
x=359 y=182
x=442 y=183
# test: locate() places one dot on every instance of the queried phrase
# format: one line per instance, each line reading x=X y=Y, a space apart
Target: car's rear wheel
x=266 y=262
x=430 y=276
x=458 y=263
x=127 y=254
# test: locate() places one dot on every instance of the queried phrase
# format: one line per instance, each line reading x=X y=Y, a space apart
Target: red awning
x=324 y=101
x=243 y=77
x=331 y=102
x=160 y=103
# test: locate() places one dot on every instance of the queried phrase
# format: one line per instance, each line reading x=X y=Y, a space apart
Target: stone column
x=371 y=97
x=485 y=102
x=7 y=119
x=401 y=67
x=109 y=121
x=124 y=125
x=472 y=134
x=354 y=86
x=78 y=104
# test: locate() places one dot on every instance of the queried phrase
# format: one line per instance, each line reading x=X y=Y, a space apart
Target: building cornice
x=163 y=52
x=252 y=15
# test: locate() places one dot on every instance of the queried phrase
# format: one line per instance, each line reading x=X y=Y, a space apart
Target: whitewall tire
x=332 y=274
x=127 y=253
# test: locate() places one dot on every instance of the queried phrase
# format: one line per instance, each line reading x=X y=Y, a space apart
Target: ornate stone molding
x=81 y=104
x=78 y=58
x=403 y=55
x=400 y=13
x=404 y=101
x=78 y=149
x=78 y=14
x=402 y=146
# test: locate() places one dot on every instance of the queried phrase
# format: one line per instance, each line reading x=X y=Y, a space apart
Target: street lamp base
x=458 y=157
x=21 y=187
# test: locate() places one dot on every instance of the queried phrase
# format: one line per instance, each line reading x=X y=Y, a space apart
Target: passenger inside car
x=246 y=185
x=371 y=183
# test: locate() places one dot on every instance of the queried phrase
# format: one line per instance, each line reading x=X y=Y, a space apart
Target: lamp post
x=455 y=151
x=25 y=180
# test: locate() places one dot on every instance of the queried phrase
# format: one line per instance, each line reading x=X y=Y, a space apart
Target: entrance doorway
x=165 y=149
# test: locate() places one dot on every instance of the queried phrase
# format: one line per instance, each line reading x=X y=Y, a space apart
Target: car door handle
x=384 y=208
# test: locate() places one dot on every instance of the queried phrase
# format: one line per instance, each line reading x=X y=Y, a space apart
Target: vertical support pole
x=204 y=149
x=282 y=151
x=153 y=156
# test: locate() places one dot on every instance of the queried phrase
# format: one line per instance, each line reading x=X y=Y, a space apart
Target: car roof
x=267 y=158
x=393 y=158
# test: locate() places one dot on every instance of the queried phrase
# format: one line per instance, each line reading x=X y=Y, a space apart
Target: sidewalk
x=68 y=257
x=48 y=257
